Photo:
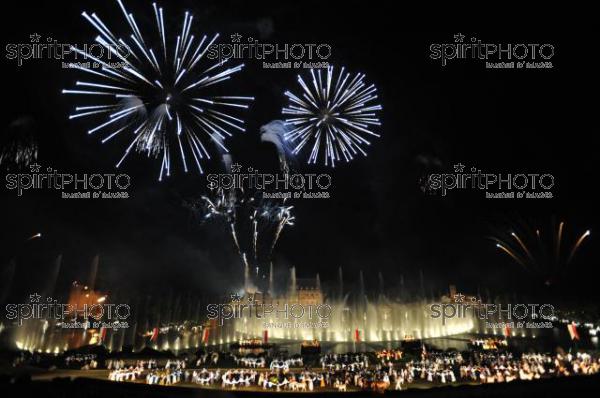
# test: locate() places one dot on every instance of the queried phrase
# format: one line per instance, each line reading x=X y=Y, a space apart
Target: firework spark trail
x=512 y=254
x=558 y=240
x=235 y=239
x=273 y=214
x=277 y=234
x=577 y=244
x=265 y=219
x=159 y=95
x=245 y=260
x=544 y=261
x=285 y=218
x=523 y=246
x=335 y=112
x=222 y=205
x=219 y=206
x=254 y=234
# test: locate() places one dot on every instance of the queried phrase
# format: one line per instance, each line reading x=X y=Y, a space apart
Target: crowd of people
x=286 y=363
x=504 y=368
x=81 y=361
x=167 y=377
x=171 y=373
x=250 y=362
x=352 y=371
x=119 y=371
x=389 y=354
x=208 y=357
x=278 y=380
x=344 y=361
x=125 y=374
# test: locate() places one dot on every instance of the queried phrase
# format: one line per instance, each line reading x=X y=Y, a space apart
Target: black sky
x=501 y=121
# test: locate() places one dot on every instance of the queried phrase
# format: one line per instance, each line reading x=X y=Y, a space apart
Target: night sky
x=501 y=121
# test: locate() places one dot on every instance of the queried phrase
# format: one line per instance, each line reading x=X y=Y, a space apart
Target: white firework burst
x=161 y=95
x=334 y=111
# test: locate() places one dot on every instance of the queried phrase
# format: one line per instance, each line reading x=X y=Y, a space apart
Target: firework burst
x=255 y=224
x=162 y=95
x=335 y=112
x=540 y=252
x=222 y=205
x=278 y=215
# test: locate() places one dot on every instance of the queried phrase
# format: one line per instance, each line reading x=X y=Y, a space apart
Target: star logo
x=235 y=297
x=35 y=38
x=459 y=298
x=458 y=168
x=34 y=298
x=236 y=38
x=459 y=37
x=236 y=167
x=35 y=168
